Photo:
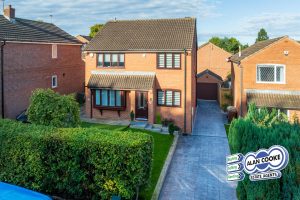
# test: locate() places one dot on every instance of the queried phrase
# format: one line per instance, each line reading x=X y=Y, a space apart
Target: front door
x=141 y=105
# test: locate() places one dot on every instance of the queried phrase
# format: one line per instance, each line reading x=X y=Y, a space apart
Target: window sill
x=262 y=82
x=169 y=106
x=111 y=108
x=168 y=68
x=114 y=67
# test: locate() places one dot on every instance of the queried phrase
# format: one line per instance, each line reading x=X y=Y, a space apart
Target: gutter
x=3 y=42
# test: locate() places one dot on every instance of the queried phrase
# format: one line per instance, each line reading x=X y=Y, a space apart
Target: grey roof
x=122 y=80
x=86 y=37
x=207 y=71
x=274 y=99
x=253 y=49
x=24 y=30
x=154 y=34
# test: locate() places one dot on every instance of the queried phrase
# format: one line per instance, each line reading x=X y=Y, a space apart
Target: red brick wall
x=213 y=58
x=30 y=66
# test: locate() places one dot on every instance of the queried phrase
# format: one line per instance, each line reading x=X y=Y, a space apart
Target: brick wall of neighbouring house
x=274 y=54
x=213 y=58
x=30 y=66
x=165 y=79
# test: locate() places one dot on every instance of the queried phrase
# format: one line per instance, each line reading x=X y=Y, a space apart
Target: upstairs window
x=54 y=51
x=171 y=98
x=111 y=60
x=169 y=60
x=270 y=73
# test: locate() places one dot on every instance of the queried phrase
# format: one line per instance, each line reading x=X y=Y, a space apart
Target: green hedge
x=74 y=163
x=245 y=136
x=52 y=109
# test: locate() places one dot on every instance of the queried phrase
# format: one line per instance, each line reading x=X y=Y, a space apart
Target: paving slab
x=198 y=168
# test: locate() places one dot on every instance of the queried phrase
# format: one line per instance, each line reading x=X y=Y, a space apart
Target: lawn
x=162 y=144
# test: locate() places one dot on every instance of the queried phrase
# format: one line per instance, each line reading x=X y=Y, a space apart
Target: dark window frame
x=111 y=66
x=173 y=97
x=123 y=100
x=165 y=61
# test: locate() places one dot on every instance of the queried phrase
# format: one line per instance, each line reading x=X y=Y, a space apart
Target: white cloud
x=78 y=15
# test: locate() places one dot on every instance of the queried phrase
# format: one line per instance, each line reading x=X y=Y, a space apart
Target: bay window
x=110 y=60
x=170 y=98
x=109 y=98
x=270 y=73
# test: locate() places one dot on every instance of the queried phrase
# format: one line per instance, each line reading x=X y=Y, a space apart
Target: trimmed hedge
x=245 y=136
x=74 y=163
x=52 y=109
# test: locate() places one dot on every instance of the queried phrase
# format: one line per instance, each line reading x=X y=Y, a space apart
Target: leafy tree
x=228 y=44
x=95 y=29
x=262 y=35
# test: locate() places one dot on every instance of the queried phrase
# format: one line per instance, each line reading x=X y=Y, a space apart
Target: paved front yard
x=162 y=144
x=198 y=168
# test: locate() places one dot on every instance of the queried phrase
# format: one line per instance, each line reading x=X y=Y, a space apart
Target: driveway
x=198 y=168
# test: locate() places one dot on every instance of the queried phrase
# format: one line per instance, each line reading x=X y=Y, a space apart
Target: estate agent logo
x=261 y=165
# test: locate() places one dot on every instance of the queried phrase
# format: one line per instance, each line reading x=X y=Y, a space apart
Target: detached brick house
x=36 y=55
x=212 y=69
x=144 y=66
x=267 y=73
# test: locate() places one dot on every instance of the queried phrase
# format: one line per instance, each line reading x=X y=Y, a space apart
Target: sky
x=223 y=18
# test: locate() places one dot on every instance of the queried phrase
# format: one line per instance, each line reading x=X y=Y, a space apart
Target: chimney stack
x=240 y=51
x=9 y=12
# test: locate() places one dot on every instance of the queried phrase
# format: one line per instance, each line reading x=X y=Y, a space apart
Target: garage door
x=207 y=91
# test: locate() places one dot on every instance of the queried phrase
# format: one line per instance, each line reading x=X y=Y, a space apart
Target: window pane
x=266 y=73
x=100 y=60
x=121 y=62
x=169 y=98
x=112 y=98
x=107 y=60
x=169 y=60
x=160 y=98
x=114 y=59
x=161 y=60
x=118 y=98
x=176 y=98
x=104 y=99
x=97 y=97
x=280 y=74
x=177 y=60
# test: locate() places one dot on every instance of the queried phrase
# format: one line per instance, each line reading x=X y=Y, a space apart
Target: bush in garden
x=74 y=163
x=256 y=132
x=171 y=128
x=51 y=109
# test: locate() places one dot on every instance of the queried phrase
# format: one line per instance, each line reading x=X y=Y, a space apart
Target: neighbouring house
x=36 y=55
x=144 y=66
x=267 y=74
x=212 y=69
x=84 y=39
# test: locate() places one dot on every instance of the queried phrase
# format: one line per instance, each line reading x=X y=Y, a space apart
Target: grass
x=227 y=128
x=162 y=144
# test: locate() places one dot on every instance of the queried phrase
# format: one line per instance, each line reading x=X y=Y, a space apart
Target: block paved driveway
x=198 y=168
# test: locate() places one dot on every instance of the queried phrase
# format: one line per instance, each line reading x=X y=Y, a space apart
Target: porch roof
x=274 y=98
x=122 y=80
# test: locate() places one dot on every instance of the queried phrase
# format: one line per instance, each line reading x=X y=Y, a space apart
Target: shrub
x=262 y=130
x=166 y=122
x=171 y=128
x=51 y=109
x=132 y=115
x=158 y=118
x=74 y=163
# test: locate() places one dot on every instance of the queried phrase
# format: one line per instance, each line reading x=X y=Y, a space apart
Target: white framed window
x=54 y=81
x=270 y=73
x=54 y=51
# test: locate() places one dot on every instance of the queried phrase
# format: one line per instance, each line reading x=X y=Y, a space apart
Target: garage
x=207 y=85
x=207 y=91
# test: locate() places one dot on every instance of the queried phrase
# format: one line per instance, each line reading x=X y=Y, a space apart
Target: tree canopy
x=95 y=29
x=262 y=35
x=228 y=44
